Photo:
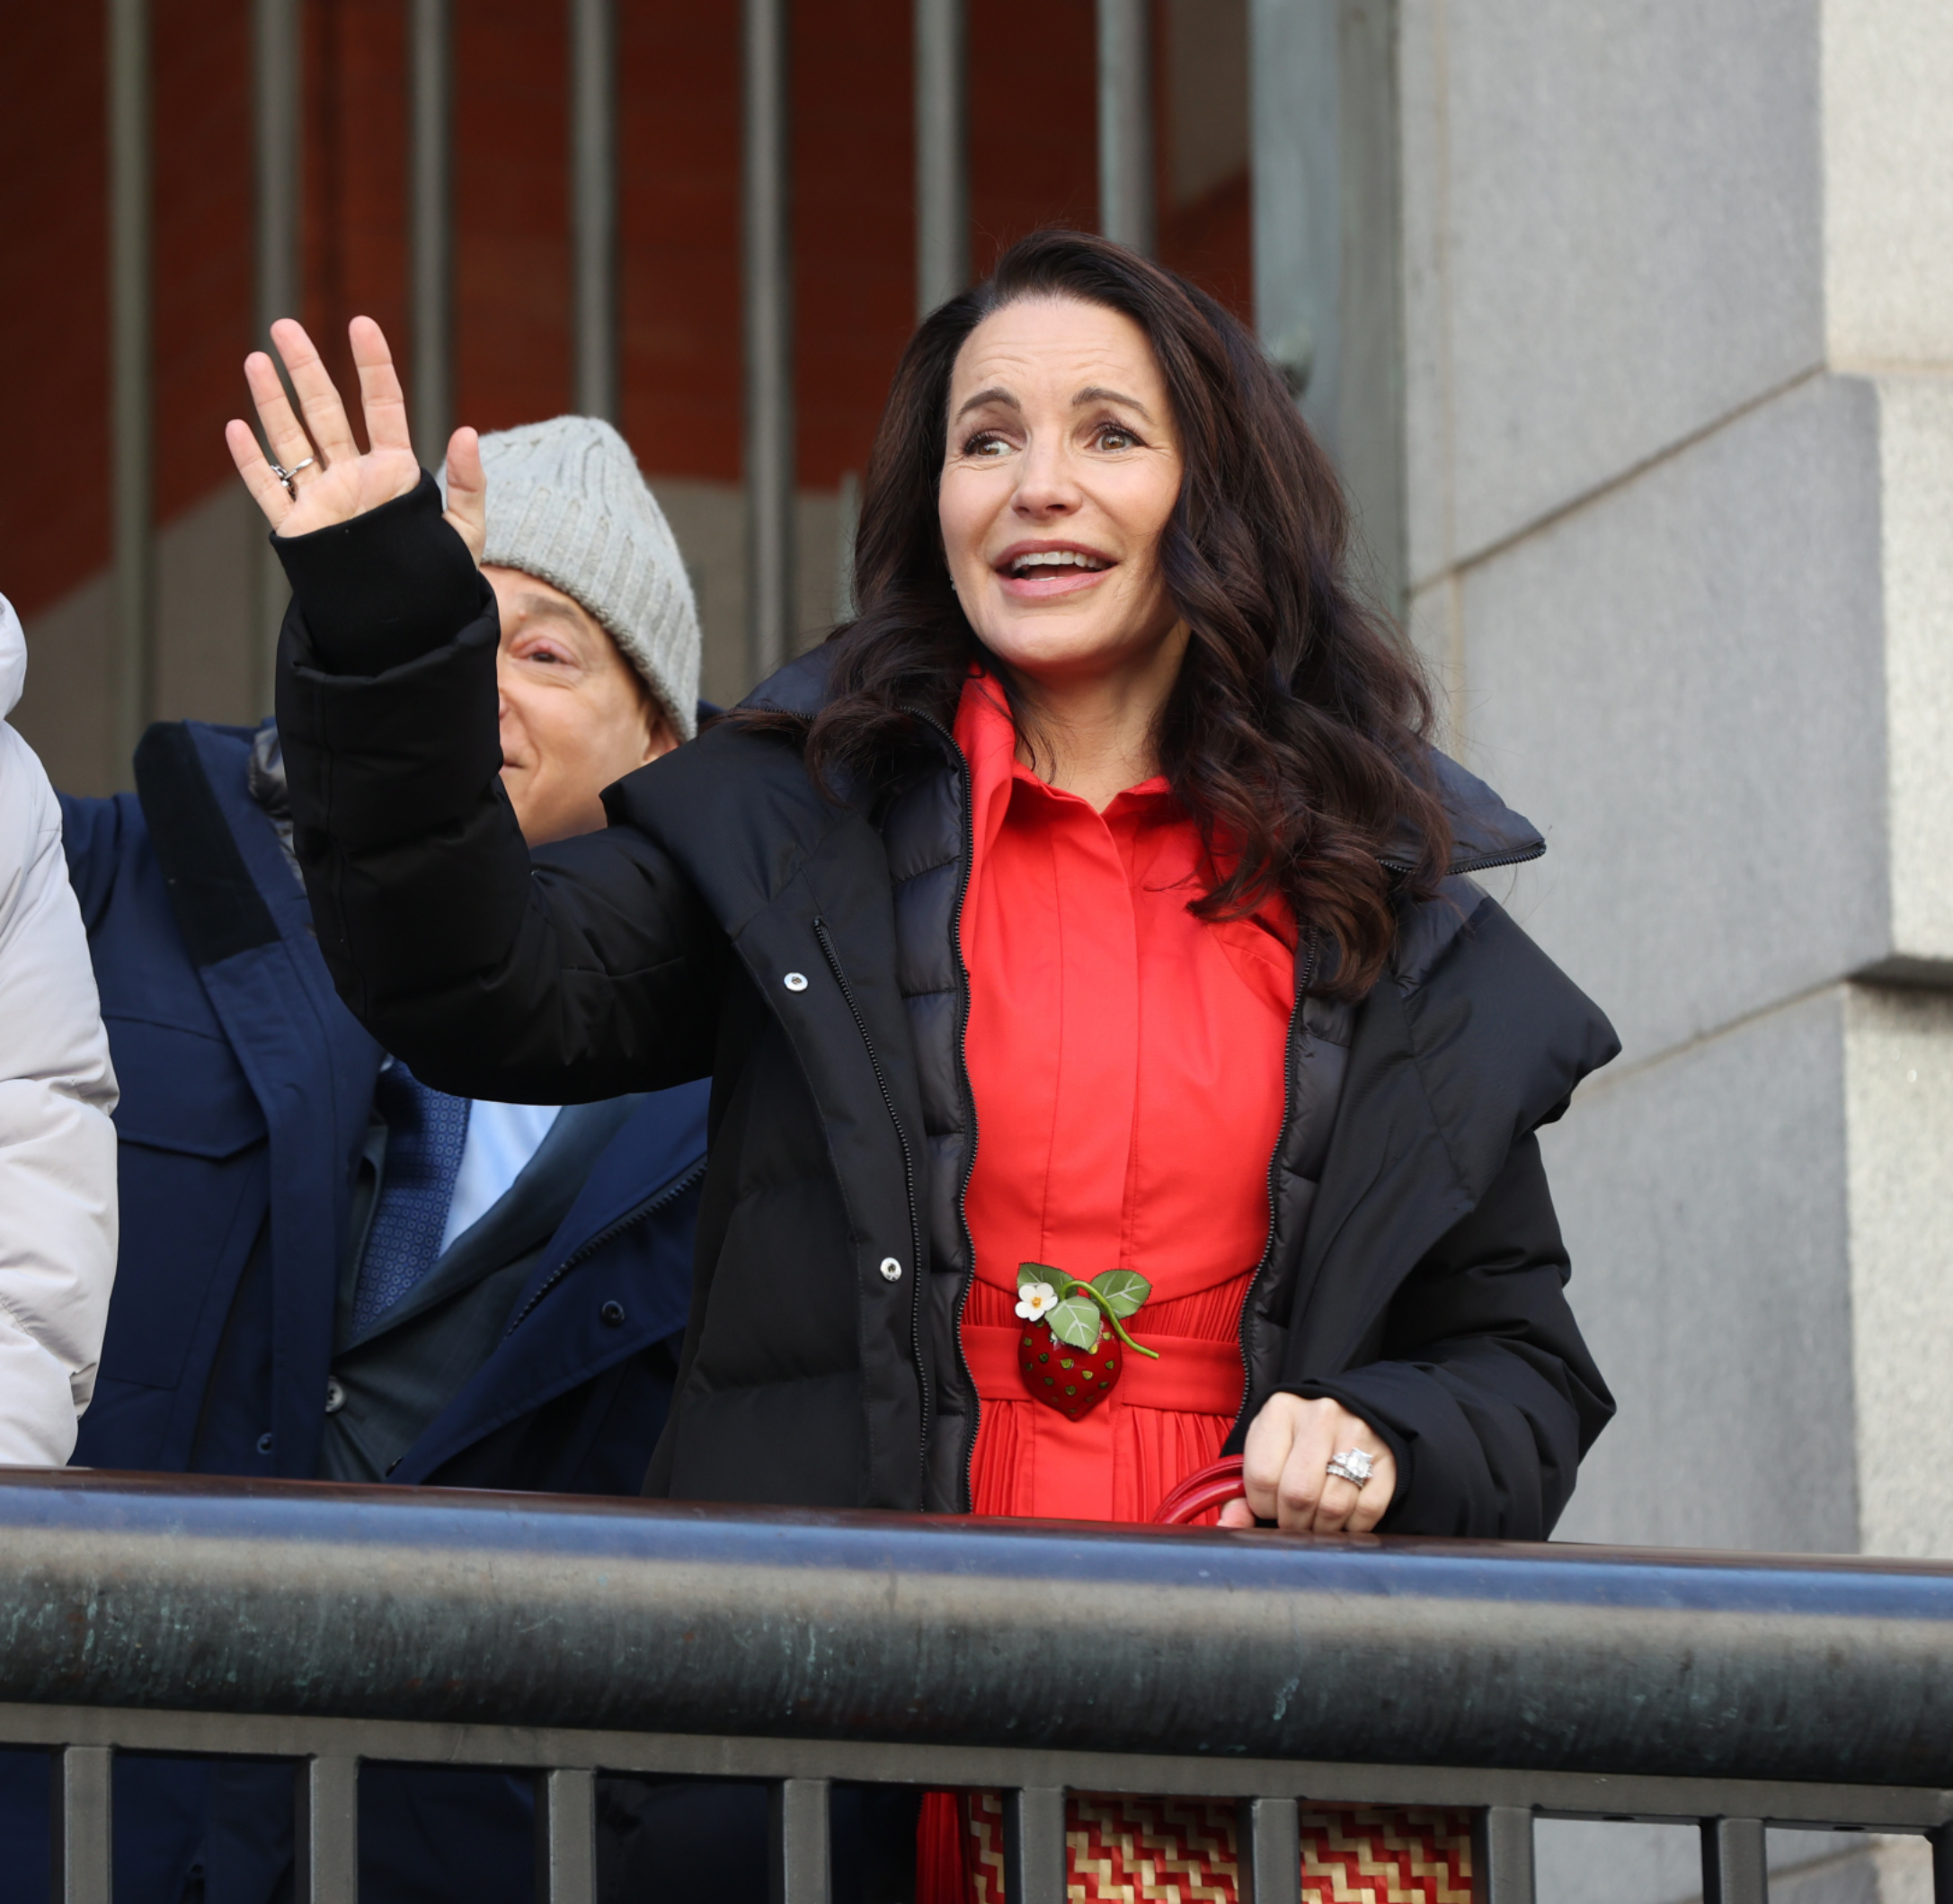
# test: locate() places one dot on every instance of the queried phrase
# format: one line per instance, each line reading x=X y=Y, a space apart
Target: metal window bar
x=276 y=114
x=593 y=206
x=767 y=241
x=1125 y=123
x=431 y=225
x=942 y=112
x=132 y=373
x=805 y=1649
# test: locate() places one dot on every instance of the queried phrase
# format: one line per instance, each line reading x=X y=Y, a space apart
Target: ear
x=659 y=737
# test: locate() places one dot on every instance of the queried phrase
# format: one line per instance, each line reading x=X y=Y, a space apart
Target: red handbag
x=1209 y=1486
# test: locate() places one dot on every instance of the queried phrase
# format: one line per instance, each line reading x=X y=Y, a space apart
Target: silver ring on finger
x=289 y=477
x=1351 y=1464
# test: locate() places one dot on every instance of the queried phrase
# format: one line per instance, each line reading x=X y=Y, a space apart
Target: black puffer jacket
x=803 y=950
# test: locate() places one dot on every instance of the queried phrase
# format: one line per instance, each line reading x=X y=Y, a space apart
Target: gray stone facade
x=1678 y=429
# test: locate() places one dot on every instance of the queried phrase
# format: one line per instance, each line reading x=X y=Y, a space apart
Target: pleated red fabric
x=1127 y=1060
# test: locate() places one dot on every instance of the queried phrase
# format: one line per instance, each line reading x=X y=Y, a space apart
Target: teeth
x=1054 y=559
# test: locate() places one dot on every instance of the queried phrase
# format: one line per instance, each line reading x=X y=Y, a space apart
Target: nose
x=1047 y=484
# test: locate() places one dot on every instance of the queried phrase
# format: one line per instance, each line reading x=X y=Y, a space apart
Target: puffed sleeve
x=58 y=1201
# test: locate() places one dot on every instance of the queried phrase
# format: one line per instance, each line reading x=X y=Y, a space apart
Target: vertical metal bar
x=325 y=1831
x=82 y=1839
x=430 y=225
x=1125 y=123
x=799 y=1863
x=1034 y=1845
x=1502 y=1855
x=276 y=124
x=1735 y=1870
x=847 y=526
x=566 y=1835
x=942 y=152
x=131 y=371
x=593 y=204
x=767 y=236
x=1269 y=1837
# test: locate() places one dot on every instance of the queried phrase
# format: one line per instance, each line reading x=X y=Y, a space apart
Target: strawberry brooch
x=1073 y=1347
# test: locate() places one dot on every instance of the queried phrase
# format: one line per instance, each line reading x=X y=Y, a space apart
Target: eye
x=1114 y=436
x=986 y=443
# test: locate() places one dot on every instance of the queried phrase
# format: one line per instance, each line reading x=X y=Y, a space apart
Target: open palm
x=331 y=480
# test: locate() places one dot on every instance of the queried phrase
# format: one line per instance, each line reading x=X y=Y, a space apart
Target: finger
x=1236 y=1514
x=1306 y=1475
x=266 y=491
x=1265 y=1455
x=380 y=395
x=467 y=491
x=318 y=397
x=1378 y=1492
x=284 y=434
x=1334 y=1504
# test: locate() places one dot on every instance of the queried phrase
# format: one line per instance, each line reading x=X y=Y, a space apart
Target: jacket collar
x=1486 y=832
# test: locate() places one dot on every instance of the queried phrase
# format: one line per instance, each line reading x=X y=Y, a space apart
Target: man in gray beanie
x=329 y=1269
x=599 y=663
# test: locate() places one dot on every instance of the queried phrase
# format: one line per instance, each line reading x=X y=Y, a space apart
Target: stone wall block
x=1704 y=1203
x=1681 y=684
x=1635 y=242
x=1916 y=467
x=1899 y=1129
x=1889 y=183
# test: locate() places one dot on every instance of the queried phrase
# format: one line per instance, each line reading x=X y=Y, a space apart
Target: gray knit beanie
x=566 y=502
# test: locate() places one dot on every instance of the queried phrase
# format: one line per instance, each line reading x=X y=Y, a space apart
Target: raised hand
x=331 y=481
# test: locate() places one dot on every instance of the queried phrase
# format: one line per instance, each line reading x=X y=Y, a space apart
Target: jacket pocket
x=194 y=1190
x=182 y=1091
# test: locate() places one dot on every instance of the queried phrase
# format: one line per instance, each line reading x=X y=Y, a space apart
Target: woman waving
x=1114 y=1063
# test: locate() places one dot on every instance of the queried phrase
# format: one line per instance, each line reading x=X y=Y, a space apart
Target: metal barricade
x=328 y=1625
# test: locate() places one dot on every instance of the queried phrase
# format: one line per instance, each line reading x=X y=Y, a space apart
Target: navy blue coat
x=246 y=1087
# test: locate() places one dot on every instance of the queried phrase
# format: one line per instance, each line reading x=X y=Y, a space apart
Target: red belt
x=1191 y=1376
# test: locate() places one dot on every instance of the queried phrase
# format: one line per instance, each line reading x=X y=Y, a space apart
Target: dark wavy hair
x=1294 y=735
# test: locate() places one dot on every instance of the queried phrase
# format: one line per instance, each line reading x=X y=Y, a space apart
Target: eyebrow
x=1091 y=394
x=544 y=606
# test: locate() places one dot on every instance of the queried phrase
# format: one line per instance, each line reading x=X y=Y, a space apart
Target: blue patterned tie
x=425 y=1132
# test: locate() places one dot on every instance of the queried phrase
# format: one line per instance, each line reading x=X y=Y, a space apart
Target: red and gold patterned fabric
x=1128 y=1850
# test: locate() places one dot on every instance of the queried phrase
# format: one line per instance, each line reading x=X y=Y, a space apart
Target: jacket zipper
x=1489 y=864
x=969 y=1106
x=649 y=1207
x=1274 y=1165
x=909 y=1167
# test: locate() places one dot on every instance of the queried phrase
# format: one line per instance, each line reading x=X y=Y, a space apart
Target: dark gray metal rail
x=330 y=1624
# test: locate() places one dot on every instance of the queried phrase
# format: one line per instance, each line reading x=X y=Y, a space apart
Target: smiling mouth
x=1045 y=561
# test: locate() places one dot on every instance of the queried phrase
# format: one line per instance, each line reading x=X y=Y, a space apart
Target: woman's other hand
x=1285 y=1467
x=340 y=482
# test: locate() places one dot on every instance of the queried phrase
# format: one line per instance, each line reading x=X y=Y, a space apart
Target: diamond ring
x=1351 y=1464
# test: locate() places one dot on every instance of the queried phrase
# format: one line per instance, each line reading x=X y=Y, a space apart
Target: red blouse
x=1126 y=1062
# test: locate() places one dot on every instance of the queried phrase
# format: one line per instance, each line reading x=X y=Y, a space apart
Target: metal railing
x=328 y=1625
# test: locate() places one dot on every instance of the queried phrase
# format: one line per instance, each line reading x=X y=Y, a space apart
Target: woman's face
x=1060 y=470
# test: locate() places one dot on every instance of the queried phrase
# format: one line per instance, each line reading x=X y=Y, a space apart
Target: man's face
x=575 y=714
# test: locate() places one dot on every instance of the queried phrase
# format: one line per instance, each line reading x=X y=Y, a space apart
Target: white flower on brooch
x=1036 y=1301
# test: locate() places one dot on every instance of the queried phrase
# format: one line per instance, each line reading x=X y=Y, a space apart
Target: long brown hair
x=1294 y=736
